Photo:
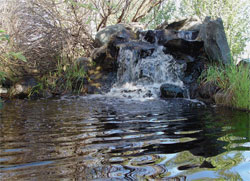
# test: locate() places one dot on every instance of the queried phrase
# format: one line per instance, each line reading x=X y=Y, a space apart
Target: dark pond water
x=100 y=138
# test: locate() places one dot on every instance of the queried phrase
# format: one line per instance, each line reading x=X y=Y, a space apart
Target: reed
x=234 y=80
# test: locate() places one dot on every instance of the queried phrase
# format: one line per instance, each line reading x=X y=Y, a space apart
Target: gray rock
x=104 y=36
x=106 y=55
x=23 y=88
x=211 y=32
x=190 y=24
x=215 y=42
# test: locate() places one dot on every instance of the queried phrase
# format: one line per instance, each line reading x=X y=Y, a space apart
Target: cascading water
x=143 y=68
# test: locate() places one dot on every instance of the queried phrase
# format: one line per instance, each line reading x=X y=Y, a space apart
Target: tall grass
x=68 y=77
x=234 y=81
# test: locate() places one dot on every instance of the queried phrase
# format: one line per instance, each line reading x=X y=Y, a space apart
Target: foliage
x=45 y=29
x=234 y=80
x=73 y=76
x=160 y=14
x=7 y=56
x=235 y=16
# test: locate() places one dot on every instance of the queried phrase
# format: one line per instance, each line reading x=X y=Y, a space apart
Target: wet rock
x=211 y=32
x=144 y=49
x=172 y=91
x=177 y=47
x=106 y=55
x=193 y=71
x=101 y=57
x=163 y=36
x=158 y=36
x=22 y=89
x=215 y=42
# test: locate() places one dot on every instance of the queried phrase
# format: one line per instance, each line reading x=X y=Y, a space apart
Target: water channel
x=110 y=138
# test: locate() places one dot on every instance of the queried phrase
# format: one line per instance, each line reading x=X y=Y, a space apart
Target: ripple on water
x=102 y=138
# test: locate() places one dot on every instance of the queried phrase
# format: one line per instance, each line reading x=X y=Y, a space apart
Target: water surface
x=103 y=138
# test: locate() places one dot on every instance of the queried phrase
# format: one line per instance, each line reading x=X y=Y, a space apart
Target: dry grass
x=45 y=30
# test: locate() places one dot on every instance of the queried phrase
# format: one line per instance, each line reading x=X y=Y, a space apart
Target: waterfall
x=143 y=68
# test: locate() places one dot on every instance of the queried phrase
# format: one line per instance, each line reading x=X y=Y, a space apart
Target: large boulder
x=189 y=24
x=211 y=32
x=104 y=36
x=109 y=39
x=215 y=42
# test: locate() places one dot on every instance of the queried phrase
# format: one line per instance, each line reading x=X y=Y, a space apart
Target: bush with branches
x=46 y=30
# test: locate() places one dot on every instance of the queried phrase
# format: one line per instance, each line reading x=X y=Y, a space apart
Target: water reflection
x=104 y=138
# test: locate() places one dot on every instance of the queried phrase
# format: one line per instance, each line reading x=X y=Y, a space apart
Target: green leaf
x=4 y=37
x=18 y=56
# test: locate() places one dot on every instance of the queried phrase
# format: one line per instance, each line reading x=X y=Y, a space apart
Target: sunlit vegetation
x=234 y=82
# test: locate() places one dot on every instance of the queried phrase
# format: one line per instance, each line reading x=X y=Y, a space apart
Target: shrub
x=46 y=29
x=234 y=81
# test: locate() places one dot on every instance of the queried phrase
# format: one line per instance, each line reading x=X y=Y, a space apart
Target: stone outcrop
x=215 y=42
x=190 y=42
x=210 y=32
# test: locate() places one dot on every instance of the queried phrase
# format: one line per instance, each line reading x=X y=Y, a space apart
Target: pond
x=105 y=138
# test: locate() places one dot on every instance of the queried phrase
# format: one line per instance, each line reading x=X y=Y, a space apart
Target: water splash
x=142 y=71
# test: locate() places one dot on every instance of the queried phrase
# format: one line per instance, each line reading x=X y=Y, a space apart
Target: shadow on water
x=103 y=138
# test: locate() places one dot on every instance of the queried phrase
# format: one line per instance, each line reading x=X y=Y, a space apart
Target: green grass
x=2 y=76
x=72 y=76
x=234 y=81
x=67 y=78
